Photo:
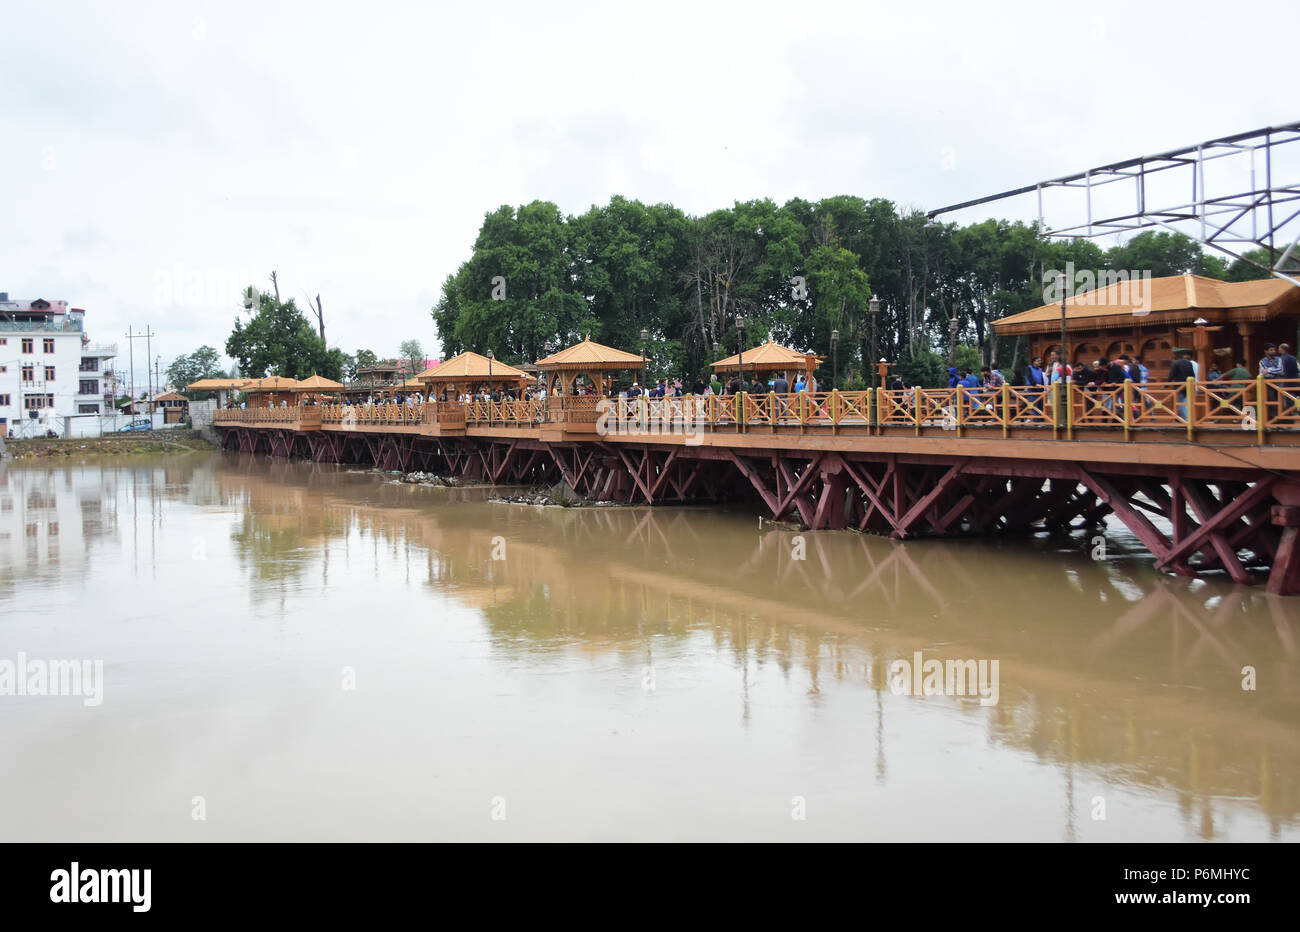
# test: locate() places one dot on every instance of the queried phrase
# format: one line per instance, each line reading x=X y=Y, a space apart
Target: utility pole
x=148 y=351
x=130 y=392
x=131 y=337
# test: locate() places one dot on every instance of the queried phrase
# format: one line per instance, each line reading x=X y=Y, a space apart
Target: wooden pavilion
x=565 y=409
x=467 y=373
x=593 y=360
x=271 y=391
x=175 y=407
x=1150 y=318
x=220 y=386
x=314 y=386
x=770 y=357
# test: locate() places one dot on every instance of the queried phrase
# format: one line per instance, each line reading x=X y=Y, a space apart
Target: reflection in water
x=1117 y=684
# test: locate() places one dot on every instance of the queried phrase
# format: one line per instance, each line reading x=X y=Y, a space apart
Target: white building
x=49 y=369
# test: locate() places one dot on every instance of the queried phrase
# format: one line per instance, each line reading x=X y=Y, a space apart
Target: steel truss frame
x=1233 y=218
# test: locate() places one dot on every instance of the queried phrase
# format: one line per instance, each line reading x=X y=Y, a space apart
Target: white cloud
x=355 y=149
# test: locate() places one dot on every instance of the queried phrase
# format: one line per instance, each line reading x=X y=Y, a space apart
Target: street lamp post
x=740 y=349
x=645 y=338
x=835 y=359
x=952 y=342
x=874 y=305
x=1060 y=283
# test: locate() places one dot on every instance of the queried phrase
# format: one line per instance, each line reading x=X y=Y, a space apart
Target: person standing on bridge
x=780 y=385
x=1057 y=371
x=1182 y=370
x=1290 y=366
x=1290 y=373
x=1036 y=382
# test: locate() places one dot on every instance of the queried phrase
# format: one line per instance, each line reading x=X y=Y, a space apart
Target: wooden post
x=1069 y=410
x=1128 y=409
x=961 y=408
x=916 y=408
x=1261 y=408
x=1006 y=410
x=1056 y=410
x=1191 y=407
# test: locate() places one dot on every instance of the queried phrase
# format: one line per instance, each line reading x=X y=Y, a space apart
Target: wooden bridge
x=1206 y=474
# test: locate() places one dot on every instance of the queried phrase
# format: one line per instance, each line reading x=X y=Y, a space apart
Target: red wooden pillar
x=1284 y=578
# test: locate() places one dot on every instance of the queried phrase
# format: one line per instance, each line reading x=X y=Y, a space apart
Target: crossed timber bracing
x=1240 y=522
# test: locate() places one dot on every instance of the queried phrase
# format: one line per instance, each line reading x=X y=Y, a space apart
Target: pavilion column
x=1245 y=328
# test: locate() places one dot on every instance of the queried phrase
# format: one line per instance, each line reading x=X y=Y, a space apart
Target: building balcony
x=39 y=326
x=99 y=350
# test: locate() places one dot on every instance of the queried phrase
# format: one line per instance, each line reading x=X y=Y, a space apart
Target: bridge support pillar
x=1284 y=577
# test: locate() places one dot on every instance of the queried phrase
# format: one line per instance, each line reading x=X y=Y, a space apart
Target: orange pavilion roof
x=589 y=355
x=765 y=356
x=468 y=367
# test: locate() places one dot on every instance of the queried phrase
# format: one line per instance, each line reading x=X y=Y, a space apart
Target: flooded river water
x=299 y=652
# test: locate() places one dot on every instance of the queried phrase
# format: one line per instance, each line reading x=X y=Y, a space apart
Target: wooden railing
x=507 y=413
x=1128 y=408
x=296 y=418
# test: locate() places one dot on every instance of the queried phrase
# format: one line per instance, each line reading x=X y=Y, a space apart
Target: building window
x=47 y=345
x=33 y=402
x=88 y=387
x=87 y=409
x=3 y=369
x=4 y=341
x=29 y=373
x=89 y=364
x=4 y=401
x=49 y=373
x=27 y=345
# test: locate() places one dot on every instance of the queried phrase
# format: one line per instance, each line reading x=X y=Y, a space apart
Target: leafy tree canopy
x=279 y=340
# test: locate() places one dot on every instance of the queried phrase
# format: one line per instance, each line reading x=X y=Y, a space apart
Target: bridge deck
x=1207 y=475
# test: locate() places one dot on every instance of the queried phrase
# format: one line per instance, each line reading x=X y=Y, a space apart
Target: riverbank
x=173 y=441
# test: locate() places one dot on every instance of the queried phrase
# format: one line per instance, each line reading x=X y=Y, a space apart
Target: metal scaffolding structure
x=1233 y=213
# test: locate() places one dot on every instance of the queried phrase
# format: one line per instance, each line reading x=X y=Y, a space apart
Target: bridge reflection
x=1106 y=666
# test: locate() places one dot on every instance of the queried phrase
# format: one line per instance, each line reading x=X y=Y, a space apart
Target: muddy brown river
x=289 y=651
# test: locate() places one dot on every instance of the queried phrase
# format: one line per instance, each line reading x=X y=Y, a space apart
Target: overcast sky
x=160 y=157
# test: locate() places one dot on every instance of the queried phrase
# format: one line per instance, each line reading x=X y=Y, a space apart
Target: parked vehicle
x=140 y=423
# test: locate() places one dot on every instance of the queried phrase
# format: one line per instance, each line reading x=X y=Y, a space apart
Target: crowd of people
x=1276 y=365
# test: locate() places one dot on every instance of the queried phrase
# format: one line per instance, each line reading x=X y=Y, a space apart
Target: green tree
x=413 y=354
x=926 y=369
x=203 y=363
x=1161 y=253
x=278 y=340
x=840 y=293
x=362 y=359
x=1245 y=269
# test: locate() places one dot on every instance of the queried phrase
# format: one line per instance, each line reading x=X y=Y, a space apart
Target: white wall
x=66 y=360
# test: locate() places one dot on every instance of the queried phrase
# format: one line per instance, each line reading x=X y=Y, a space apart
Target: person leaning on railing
x=1290 y=377
x=1036 y=382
